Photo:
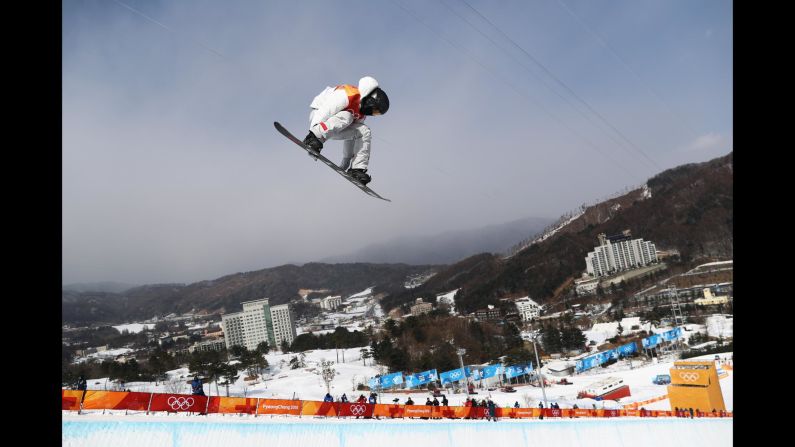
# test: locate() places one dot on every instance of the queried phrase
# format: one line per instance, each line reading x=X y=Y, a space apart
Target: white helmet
x=366 y=85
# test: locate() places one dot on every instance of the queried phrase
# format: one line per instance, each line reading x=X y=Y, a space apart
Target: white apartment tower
x=528 y=309
x=283 y=324
x=257 y=323
x=618 y=253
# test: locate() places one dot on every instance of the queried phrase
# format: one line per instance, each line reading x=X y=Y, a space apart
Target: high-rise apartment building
x=618 y=253
x=283 y=324
x=258 y=322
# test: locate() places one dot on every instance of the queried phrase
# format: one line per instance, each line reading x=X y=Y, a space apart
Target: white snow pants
x=355 y=135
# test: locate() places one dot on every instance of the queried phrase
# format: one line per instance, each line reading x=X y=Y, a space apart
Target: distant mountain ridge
x=279 y=284
x=689 y=208
x=448 y=247
x=103 y=286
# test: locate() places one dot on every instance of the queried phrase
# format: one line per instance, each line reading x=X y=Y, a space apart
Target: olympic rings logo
x=689 y=377
x=358 y=410
x=180 y=403
x=455 y=375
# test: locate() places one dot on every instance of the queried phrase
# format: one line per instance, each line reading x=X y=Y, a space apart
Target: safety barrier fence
x=182 y=403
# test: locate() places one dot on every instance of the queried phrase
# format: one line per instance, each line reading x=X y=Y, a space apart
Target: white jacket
x=335 y=108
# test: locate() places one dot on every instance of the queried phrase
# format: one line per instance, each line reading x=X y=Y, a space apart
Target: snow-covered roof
x=363 y=293
x=133 y=328
x=527 y=299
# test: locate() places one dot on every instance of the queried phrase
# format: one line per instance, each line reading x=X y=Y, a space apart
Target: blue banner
x=603 y=356
x=454 y=375
x=650 y=342
x=518 y=370
x=673 y=334
x=421 y=378
x=393 y=379
x=374 y=383
x=628 y=349
x=489 y=371
x=588 y=363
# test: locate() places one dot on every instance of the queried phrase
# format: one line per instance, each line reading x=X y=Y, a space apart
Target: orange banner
x=515 y=413
x=281 y=406
x=389 y=411
x=417 y=411
x=232 y=405
x=115 y=400
x=316 y=408
x=462 y=412
x=70 y=399
x=104 y=400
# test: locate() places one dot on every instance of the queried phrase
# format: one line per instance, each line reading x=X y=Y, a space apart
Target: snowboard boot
x=313 y=142
x=359 y=175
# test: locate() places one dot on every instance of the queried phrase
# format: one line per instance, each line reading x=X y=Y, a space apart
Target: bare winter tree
x=365 y=354
x=327 y=372
x=174 y=384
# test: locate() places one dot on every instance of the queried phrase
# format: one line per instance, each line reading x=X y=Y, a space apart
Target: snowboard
x=326 y=161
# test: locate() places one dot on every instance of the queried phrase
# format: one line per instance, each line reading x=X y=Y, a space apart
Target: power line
x=528 y=69
x=206 y=47
x=512 y=86
x=615 y=54
x=561 y=83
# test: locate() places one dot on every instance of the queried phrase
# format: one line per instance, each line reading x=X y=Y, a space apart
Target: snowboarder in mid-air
x=338 y=113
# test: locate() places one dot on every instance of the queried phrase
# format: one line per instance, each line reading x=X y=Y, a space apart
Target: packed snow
x=449 y=298
x=96 y=430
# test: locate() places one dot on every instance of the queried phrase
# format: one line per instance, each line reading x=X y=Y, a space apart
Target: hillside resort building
x=618 y=253
x=528 y=309
x=258 y=322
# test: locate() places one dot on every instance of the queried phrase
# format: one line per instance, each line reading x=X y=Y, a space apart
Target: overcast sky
x=173 y=172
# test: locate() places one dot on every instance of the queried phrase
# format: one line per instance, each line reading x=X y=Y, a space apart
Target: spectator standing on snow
x=492 y=410
x=197 y=387
x=82 y=385
x=328 y=398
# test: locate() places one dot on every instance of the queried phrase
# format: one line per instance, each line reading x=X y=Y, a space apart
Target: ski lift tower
x=676 y=310
x=461 y=352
